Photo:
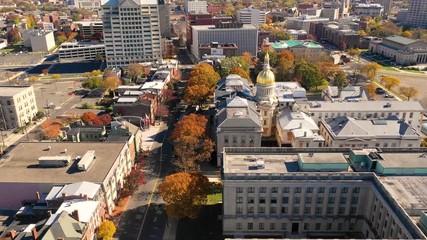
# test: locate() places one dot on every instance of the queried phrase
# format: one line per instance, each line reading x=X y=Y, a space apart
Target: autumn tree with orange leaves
x=241 y=72
x=191 y=142
x=201 y=84
x=91 y=118
x=184 y=194
x=51 y=129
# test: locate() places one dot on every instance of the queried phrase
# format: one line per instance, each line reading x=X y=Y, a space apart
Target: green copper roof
x=294 y=43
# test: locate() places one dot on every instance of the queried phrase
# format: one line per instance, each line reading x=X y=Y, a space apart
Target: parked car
x=388 y=96
x=379 y=91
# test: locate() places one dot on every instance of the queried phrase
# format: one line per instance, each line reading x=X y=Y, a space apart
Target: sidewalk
x=15 y=137
x=170 y=230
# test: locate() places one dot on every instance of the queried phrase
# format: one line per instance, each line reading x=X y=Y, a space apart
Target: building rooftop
x=213 y=28
x=294 y=43
x=322 y=158
x=408 y=191
x=271 y=164
x=373 y=106
x=84 y=208
x=401 y=40
x=411 y=160
x=23 y=159
x=10 y=91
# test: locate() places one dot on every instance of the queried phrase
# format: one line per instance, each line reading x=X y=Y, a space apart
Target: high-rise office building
x=251 y=16
x=417 y=15
x=131 y=32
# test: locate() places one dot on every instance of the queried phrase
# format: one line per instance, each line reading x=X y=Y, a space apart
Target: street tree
x=354 y=52
x=111 y=84
x=51 y=129
x=390 y=82
x=284 y=67
x=371 y=69
x=56 y=76
x=106 y=230
x=247 y=58
x=197 y=94
x=408 y=92
x=92 y=83
x=135 y=70
x=191 y=142
x=203 y=74
x=308 y=74
x=370 y=89
x=132 y=181
x=184 y=194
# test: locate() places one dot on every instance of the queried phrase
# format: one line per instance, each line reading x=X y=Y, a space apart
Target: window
x=341 y=210
x=297 y=190
x=340 y=226
x=274 y=189
x=309 y=190
x=297 y=200
x=251 y=189
x=225 y=139
x=239 y=189
x=306 y=226
x=317 y=226
x=250 y=209
x=321 y=190
x=319 y=200
x=307 y=210
x=243 y=140
x=343 y=200
x=285 y=190
x=272 y=226
x=238 y=226
x=331 y=199
x=332 y=190
x=261 y=226
x=295 y=210
x=251 y=200
x=411 y=115
x=262 y=189
x=284 y=226
x=356 y=190
x=261 y=209
x=262 y=200
x=285 y=200
x=273 y=200
x=318 y=210
x=353 y=210
x=308 y=200
x=354 y=200
x=234 y=139
x=329 y=226
x=330 y=210
x=285 y=210
x=272 y=209
x=239 y=200
x=344 y=190
x=239 y=209
x=250 y=226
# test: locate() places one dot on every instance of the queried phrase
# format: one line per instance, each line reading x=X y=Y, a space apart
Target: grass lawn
x=414 y=71
x=390 y=68
x=14 y=48
x=214 y=198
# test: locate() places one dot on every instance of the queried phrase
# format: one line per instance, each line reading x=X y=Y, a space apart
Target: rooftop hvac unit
x=87 y=161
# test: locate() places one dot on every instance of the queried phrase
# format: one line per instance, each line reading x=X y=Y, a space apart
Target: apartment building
x=417 y=14
x=196 y=7
x=404 y=51
x=251 y=16
x=346 y=131
x=245 y=36
x=368 y=10
x=81 y=51
x=283 y=192
x=304 y=22
x=410 y=111
x=45 y=165
x=131 y=32
x=89 y=28
x=17 y=106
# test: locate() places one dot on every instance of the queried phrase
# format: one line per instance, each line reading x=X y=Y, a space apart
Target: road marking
x=154 y=187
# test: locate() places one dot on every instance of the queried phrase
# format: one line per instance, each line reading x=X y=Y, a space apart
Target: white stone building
x=39 y=40
x=368 y=10
x=402 y=50
x=410 y=111
x=17 y=106
x=346 y=131
x=251 y=16
x=196 y=7
x=131 y=32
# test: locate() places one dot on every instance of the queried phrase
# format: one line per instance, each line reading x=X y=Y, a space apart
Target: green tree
x=285 y=66
x=371 y=69
x=284 y=36
x=106 y=230
x=230 y=63
x=308 y=74
x=340 y=79
x=16 y=19
x=184 y=194
x=92 y=83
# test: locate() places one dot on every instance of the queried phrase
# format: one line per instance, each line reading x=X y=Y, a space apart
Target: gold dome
x=266 y=76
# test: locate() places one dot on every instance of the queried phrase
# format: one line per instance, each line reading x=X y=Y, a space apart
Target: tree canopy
x=308 y=74
x=136 y=70
x=184 y=194
x=191 y=142
x=408 y=92
x=390 y=82
x=241 y=72
x=201 y=84
x=111 y=84
x=371 y=69
x=230 y=63
x=106 y=230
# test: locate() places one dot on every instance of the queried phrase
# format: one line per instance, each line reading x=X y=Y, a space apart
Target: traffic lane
x=155 y=223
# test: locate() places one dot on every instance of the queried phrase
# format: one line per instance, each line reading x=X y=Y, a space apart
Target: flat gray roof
x=21 y=164
x=371 y=106
x=322 y=158
x=403 y=160
x=212 y=27
x=273 y=163
x=408 y=191
x=8 y=91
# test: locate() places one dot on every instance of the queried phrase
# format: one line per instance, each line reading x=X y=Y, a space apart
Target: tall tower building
x=251 y=16
x=417 y=13
x=131 y=32
x=266 y=97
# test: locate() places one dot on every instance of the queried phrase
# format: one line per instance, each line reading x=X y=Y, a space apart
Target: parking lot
x=20 y=59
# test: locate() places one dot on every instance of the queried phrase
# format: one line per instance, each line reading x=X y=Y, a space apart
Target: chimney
x=300 y=125
x=12 y=234
x=85 y=197
x=75 y=215
x=38 y=195
x=63 y=195
x=49 y=213
x=34 y=233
